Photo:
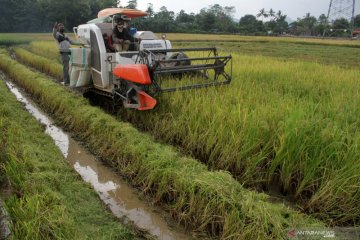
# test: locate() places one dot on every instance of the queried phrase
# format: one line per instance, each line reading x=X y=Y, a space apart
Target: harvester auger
x=134 y=78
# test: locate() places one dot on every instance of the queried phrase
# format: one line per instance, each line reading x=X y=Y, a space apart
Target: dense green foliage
x=48 y=200
x=40 y=15
x=204 y=200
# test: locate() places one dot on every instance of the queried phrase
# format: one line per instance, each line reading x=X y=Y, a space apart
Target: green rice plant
x=51 y=67
x=341 y=55
x=188 y=37
x=10 y=39
x=206 y=201
x=48 y=199
x=33 y=217
x=47 y=49
x=290 y=124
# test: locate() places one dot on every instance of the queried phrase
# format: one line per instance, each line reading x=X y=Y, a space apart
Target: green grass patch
x=49 y=200
x=206 y=201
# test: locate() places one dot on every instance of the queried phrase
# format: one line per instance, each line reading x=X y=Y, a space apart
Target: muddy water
x=122 y=200
x=60 y=138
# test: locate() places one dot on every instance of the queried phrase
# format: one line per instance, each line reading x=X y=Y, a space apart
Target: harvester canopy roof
x=131 y=13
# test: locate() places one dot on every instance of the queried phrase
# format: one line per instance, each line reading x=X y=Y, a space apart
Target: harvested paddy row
x=284 y=124
x=45 y=198
x=206 y=201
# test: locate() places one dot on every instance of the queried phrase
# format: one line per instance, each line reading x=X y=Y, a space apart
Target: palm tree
x=271 y=13
x=262 y=13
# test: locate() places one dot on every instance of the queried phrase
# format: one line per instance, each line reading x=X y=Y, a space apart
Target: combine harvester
x=135 y=78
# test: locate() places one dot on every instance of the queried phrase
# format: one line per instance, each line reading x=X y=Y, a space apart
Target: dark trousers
x=65 y=59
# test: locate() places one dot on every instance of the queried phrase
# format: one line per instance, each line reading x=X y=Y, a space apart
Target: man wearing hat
x=121 y=36
x=64 y=43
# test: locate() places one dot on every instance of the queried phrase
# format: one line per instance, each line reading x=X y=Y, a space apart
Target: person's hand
x=55 y=25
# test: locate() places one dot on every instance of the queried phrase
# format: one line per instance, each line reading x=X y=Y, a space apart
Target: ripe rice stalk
x=207 y=201
x=289 y=123
x=51 y=67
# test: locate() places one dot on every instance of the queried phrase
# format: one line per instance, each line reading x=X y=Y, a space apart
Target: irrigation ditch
x=211 y=202
x=118 y=196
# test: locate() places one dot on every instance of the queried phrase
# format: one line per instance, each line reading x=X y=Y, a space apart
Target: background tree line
x=39 y=16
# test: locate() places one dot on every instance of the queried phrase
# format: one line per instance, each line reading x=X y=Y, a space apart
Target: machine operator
x=121 y=37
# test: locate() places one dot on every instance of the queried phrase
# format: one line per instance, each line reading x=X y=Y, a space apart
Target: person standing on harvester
x=64 y=43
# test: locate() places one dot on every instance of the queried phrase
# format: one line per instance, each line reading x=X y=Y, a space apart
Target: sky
x=292 y=8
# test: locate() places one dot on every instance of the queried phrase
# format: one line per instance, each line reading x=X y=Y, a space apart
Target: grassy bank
x=206 y=201
x=285 y=124
x=48 y=199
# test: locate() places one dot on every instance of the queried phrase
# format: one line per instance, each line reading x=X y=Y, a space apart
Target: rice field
x=46 y=199
x=293 y=125
x=287 y=125
x=263 y=39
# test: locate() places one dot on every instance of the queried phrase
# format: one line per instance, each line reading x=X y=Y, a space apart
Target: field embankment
x=46 y=199
x=203 y=200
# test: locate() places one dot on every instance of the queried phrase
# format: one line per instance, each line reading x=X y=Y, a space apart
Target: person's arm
x=55 y=31
x=72 y=42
